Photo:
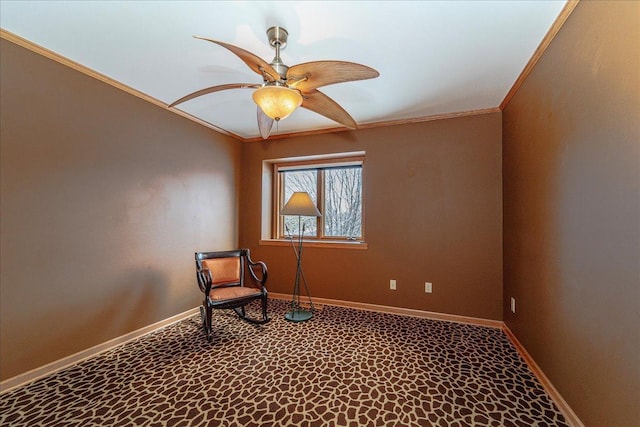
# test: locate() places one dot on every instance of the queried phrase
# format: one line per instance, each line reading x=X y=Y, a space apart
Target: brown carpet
x=344 y=367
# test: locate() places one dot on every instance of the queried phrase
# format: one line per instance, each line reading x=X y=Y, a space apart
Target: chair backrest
x=226 y=267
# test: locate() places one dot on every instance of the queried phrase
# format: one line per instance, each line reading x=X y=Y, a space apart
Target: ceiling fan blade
x=214 y=89
x=320 y=103
x=312 y=75
x=265 y=123
x=254 y=62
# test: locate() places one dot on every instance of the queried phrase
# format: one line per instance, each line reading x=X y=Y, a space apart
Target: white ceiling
x=434 y=57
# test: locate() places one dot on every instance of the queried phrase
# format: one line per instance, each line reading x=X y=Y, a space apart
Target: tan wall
x=572 y=213
x=104 y=200
x=433 y=202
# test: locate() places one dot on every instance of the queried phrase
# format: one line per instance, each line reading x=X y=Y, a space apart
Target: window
x=334 y=185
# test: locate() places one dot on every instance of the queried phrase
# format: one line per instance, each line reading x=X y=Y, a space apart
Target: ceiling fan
x=284 y=88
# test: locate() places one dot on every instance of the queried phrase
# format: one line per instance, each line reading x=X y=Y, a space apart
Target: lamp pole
x=297 y=313
x=299 y=204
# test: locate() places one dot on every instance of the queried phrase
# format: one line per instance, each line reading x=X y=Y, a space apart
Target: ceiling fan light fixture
x=277 y=102
x=284 y=88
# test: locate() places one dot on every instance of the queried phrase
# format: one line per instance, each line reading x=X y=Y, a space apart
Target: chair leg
x=265 y=319
x=203 y=318
x=258 y=321
x=206 y=312
x=240 y=312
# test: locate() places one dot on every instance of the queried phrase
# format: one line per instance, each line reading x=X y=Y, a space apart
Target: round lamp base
x=298 y=315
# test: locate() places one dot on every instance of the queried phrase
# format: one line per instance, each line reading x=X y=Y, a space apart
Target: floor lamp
x=299 y=204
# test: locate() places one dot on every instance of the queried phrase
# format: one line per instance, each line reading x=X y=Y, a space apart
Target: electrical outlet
x=392 y=284
x=513 y=305
x=428 y=287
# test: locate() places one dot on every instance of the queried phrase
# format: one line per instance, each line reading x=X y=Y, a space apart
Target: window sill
x=317 y=243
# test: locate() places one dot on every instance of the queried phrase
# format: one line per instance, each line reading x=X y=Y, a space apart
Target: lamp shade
x=300 y=204
x=277 y=102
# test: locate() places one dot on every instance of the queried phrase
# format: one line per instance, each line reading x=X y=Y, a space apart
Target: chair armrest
x=205 y=281
x=257 y=269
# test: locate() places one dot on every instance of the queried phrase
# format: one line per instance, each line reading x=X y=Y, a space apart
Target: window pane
x=343 y=202
x=306 y=180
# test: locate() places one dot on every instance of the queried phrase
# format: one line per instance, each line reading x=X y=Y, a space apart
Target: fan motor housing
x=277 y=36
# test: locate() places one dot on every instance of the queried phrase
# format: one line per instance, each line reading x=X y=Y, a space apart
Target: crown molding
x=15 y=39
x=542 y=47
x=555 y=28
x=386 y=123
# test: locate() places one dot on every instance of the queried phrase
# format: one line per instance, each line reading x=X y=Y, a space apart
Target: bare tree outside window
x=341 y=205
x=343 y=202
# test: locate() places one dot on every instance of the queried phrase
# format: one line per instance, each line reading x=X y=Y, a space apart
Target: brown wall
x=104 y=199
x=572 y=213
x=433 y=202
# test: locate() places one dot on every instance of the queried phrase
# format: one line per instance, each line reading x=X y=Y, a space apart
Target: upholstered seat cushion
x=232 y=292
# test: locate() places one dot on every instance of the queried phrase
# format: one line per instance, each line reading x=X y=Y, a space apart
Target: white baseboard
x=399 y=310
x=570 y=416
x=67 y=361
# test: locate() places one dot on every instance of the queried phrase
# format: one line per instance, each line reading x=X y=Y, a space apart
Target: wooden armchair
x=221 y=277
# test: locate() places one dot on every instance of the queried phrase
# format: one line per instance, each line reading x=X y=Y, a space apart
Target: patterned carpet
x=344 y=367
